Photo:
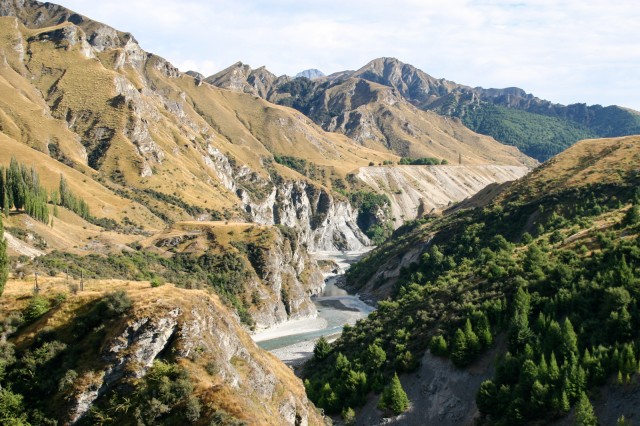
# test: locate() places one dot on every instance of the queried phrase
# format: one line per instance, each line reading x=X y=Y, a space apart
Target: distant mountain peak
x=311 y=74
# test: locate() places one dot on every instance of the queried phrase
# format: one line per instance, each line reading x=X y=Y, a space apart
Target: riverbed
x=293 y=341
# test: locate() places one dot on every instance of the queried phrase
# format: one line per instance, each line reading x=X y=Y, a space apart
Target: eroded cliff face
x=325 y=224
x=418 y=190
x=275 y=276
x=288 y=277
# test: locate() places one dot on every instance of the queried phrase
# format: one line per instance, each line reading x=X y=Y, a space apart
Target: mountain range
x=539 y=128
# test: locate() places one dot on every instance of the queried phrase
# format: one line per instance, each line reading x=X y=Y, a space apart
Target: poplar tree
x=4 y=260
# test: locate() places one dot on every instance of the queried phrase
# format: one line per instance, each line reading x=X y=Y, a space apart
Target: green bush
x=114 y=304
x=37 y=307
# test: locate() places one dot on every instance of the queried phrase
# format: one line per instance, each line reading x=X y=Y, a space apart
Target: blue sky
x=565 y=51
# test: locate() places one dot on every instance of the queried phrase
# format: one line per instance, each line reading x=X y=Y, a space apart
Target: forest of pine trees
x=567 y=313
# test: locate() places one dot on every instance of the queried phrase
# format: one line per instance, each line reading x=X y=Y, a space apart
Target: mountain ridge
x=519 y=114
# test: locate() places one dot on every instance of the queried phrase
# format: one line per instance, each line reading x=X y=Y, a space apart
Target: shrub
x=156 y=282
x=114 y=304
x=37 y=307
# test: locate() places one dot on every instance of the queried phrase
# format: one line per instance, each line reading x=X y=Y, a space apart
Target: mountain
x=375 y=116
x=240 y=77
x=311 y=74
x=539 y=128
x=517 y=308
x=164 y=217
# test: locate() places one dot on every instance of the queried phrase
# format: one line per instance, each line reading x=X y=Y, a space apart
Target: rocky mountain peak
x=311 y=74
x=34 y=14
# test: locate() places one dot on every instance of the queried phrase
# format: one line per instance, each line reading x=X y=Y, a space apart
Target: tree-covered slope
x=550 y=270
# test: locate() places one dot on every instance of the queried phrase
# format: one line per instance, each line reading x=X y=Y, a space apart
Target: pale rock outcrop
x=134 y=350
x=416 y=190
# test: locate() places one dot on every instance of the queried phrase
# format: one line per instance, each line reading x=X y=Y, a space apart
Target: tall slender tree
x=4 y=260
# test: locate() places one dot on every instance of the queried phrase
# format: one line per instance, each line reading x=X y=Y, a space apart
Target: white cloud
x=562 y=50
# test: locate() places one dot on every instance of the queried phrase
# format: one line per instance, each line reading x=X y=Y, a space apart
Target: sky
x=565 y=51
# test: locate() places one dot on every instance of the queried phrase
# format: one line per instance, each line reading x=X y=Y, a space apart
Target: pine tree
x=321 y=349
x=584 y=412
x=569 y=339
x=394 y=397
x=554 y=371
x=375 y=356
x=4 y=260
x=15 y=185
x=459 y=348
x=473 y=342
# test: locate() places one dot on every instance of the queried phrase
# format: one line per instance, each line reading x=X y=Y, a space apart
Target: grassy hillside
x=552 y=265
x=133 y=124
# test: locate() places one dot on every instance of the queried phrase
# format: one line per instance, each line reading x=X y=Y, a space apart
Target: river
x=293 y=341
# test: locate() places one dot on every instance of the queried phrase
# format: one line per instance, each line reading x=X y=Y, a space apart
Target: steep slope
x=123 y=352
x=544 y=279
x=376 y=116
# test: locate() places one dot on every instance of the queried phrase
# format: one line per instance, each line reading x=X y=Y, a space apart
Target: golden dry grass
x=588 y=162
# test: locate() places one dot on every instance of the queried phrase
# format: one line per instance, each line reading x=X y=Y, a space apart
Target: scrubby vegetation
x=553 y=274
x=424 y=161
x=50 y=363
x=373 y=214
x=224 y=272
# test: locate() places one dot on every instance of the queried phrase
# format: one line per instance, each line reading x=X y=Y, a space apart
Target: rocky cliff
x=278 y=276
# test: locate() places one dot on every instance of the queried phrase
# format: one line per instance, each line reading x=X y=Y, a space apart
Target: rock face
x=194 y=327
x=289 y=277
x=418 y=190
x=325 y=224
x=242 y=78
x=134 y=351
